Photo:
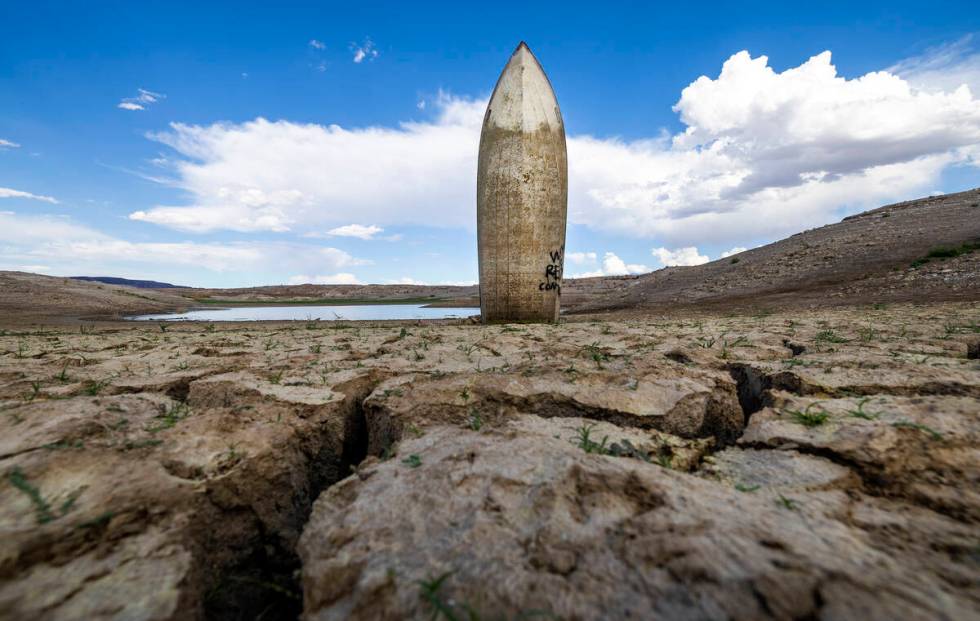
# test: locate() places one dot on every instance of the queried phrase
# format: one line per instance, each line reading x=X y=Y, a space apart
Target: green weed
x=947 y=252
x=808 y=418
x=935 y=435
x=429 y=591
x=860 y=413
x=35 y=391
x=41 y=506
x=586 y=443
x=829 y=336
x=597 y=355
x=93 y=387
x=787 y=503
x=138 y=444
x=43 y=510
x=412 y=461
x=171 y=417
x=706 y=342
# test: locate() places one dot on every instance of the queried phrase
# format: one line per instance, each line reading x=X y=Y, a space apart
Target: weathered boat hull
x=522 y=196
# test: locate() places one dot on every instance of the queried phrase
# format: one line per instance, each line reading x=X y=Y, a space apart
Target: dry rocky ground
x=819 y=464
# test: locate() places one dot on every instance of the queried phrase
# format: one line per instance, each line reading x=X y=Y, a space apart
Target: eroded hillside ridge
x=920 y=251
x=814 y=464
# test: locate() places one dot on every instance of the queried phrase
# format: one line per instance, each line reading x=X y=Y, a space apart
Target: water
x=328 y=313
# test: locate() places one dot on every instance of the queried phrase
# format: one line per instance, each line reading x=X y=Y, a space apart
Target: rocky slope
x=880 y=255
x=817 y=464
x=33 y=298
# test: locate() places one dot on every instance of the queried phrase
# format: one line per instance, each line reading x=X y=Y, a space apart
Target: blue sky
x=241 y=144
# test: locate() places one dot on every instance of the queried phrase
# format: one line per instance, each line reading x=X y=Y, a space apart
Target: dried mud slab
x=819 y=464
x=516 y=521
x=139 y=506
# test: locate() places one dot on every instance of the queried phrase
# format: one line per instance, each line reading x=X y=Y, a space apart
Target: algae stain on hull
x=522 y=196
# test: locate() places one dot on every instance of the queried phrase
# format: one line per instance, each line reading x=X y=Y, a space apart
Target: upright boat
x=522 y=196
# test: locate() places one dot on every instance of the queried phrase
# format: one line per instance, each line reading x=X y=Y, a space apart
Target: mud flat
x=814 y=464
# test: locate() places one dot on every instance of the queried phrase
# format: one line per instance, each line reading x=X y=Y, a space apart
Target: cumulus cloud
x=763 y=154
x=317 y=45
x=612 y=265
x=355 y=230
x=681 y=256
x=363 y=51
x=735 y=250
x=581 y=258
x=10 y=193
x=142 y=99
x=275 y=176
x=6 y=144
x=342 y=278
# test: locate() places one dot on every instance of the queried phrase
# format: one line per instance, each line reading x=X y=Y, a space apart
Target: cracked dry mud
x=819 y=464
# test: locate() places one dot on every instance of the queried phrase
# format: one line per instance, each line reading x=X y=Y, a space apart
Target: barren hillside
x=36 y=296
x=880 y=255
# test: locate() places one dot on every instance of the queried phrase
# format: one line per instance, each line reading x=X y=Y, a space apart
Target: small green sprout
x=808 y=418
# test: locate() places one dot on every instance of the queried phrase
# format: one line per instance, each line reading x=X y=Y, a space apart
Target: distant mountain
x=139 y=284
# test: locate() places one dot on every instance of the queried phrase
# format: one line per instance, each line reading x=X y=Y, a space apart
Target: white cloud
x=142 y=99
x=681 y=256
x=10 y=193
x=6 y=144
x=612 y=265
x=943 y=68
x=274 y=176
x=72 y=248
x=405 y=280
x=363 y=51
x=580 y=258
x=764 y=154
x=735 y=250
x=356 y=230
x=342 y=278
x=317 y=45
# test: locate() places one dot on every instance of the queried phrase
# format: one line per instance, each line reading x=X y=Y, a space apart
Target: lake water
x=327 y=313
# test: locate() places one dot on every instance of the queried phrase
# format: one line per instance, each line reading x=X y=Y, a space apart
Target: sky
x=243 y=144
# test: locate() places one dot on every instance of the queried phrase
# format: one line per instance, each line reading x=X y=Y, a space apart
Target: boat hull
x=522 y=197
